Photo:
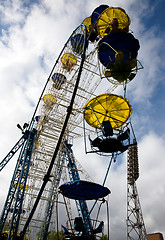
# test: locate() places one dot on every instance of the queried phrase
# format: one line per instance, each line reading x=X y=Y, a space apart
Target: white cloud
x=152 y=180
x=12 y=12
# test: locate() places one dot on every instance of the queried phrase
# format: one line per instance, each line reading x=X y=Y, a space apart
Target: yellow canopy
x=107 y=107
x=106 y=18
x=87 y=23
x=68 y=61
x=49 y=99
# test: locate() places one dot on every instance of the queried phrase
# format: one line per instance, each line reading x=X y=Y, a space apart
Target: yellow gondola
x=112 y=19
x=68 y=60
x=49 y=99
x=87 y=23
x=107 y=107
x=92 y=35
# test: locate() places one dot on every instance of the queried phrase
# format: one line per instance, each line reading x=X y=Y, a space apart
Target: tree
x=104 y=237
x=52 y=235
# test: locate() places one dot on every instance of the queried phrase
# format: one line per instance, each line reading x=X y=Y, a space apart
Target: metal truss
x=135 y=223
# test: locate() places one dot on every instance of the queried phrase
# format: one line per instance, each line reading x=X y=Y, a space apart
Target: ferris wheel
x=47 y=176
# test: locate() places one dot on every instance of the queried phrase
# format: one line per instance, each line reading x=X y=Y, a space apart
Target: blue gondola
x=118 y=52
x=77 y=42
x=58 y=80
x=114 y=42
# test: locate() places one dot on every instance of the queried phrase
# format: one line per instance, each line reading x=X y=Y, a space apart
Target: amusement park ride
x=47 y=178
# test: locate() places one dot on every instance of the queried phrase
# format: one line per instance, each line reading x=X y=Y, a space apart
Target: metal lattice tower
x=17 y=187
x=135 y=223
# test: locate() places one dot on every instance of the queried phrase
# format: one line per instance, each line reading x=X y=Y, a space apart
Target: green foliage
x=104 y=237
x=52 y=235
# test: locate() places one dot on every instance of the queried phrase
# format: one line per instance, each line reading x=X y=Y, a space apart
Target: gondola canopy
x=112 y=19
x=113 y=44
x=83 y=190
x=96 y=13
x=107 y=107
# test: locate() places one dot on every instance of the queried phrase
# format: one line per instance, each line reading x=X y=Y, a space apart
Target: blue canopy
x=83 y=190
x=96 y=13
x=120 y=40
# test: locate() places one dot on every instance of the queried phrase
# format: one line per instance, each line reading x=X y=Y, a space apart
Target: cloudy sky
x=32 y=34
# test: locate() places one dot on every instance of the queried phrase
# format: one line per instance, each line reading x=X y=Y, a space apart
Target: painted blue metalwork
x=17 y=185
x=74 y=175
x=52 y=197
x=14 y=150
